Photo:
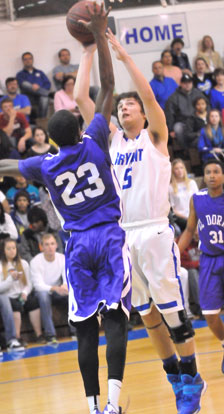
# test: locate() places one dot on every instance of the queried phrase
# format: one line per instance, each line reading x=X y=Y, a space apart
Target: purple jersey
x=80 y=179
x=210 y=214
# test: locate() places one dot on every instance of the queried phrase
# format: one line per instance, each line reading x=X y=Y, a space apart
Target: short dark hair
x=134 y=95
x=21 y=193
x=218 y=71
x=5 y=100
x=66 y=79
x=213 y=161
x=63 y=50
x=165 y=51
x=10 y=79
x=37 y=214
x=63 y=128
x=198 y=99
x=177 y=40
x=27 y=53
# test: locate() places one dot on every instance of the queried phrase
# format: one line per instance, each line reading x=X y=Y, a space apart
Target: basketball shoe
x=109 y=409
x=177 y=385
x=193 y=389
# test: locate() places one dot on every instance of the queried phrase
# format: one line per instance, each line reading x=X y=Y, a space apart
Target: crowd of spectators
x=192 y=97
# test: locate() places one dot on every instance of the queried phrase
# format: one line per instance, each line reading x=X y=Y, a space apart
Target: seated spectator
x=16 y=284
x=162 y=86
x=64 y=98
x=211 y=140
x=169 y=70
x=217 y=93
x=6 y=148
x=7 y=226
x=64 y=68
x=21 y=102
x=41 y=144
x=179 y=107
x=202 y=79
x=196 y=122
x=22 y=184
x=49 y=280
x=8 y=321
x=4 y=202
x=15 y=125
x=180 y=58
x=30 y=240
x=208 y=53
x=180 y=191
x=20 y=212
x=35 y=84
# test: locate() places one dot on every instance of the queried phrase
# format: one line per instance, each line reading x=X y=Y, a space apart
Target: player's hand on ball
x=98 y=19
x=120 y=52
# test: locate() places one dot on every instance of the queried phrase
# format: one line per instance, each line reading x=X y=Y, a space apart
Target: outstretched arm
x=188 y=233
x=9 y=168
x=81 y=91
x=97 y=26
x=154 y=114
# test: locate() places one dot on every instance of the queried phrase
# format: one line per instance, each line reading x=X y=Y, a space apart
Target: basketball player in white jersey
x=141 y=161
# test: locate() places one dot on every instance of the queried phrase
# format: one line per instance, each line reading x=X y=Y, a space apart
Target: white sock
x=93 y=402
x=114 y=389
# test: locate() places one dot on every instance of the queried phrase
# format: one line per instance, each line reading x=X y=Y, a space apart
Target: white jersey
x=144 y=175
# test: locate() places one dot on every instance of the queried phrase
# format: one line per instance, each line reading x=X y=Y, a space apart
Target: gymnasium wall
x=45 y=36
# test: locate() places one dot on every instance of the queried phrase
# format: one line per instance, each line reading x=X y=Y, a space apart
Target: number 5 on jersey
x=127 y=178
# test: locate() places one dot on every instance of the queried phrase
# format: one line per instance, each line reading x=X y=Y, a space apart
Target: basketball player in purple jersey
x=84 y=191
x=142 y=165
x=207 y=213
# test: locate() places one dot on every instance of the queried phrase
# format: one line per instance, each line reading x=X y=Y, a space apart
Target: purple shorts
x=211 y=282
x=98 y=271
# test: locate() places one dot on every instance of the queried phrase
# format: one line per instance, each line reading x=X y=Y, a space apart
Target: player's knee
x=153 y=319
x=179 y=326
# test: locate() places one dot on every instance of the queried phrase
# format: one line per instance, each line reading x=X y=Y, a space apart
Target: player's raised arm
x=154 y=114
x=189 y=231
x=97 y=26
x=82 y=83
x=9 y=168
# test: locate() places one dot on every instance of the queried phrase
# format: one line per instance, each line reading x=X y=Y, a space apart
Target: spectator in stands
x=15 y=125
x=20 y=212
x=161 y=85
x=180 y=58
x=202 y=79
x=49 y=280
x=180 y=191
x=7 y=226
x=64 y=98
x=6 y=148
x=41 y=144
x=217 y=93
x=31 y=238
x=65 y=68
x=196 y=122
x=179 y=107
x=4 y=202
x=211 y=140
x=208 y=53
x=21 y=102
x=7 y=318
x=16 y=284
x=22 y=184
x=169 y=70
x=35 y=84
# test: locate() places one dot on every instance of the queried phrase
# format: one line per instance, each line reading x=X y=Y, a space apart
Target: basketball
x=76 y=29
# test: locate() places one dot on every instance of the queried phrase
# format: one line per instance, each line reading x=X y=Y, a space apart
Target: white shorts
x=155 y=268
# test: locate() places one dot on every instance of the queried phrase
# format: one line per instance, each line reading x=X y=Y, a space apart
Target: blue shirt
x=163 y=89
x=210 y=214
x=80 y=179
x=217 y=99
x=206 y=145
x=36 y=76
